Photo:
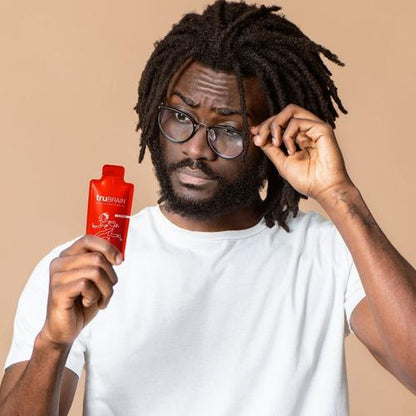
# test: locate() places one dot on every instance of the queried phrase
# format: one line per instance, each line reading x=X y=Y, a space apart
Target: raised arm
x=385 y=321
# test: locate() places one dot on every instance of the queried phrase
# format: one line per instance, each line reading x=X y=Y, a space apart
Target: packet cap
x=113 y=170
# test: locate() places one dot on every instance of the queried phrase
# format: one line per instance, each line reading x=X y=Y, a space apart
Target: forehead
x=217 y=89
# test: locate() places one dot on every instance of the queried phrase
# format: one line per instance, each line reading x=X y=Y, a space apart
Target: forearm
x=37 y=391
x=388 y=279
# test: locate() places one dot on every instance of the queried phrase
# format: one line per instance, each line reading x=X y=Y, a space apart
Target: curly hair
x=247 y=41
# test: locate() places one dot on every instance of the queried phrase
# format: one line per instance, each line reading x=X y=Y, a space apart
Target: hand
x=314 y=167
x=81 y=283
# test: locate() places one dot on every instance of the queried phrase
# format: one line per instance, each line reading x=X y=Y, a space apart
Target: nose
x=197 y=146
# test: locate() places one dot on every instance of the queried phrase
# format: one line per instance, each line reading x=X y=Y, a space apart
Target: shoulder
x=318 y=235
x=310 y=220
x=37 y=285
x=309 y=225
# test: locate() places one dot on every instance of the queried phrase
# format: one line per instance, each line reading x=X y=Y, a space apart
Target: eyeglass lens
x=178 y=127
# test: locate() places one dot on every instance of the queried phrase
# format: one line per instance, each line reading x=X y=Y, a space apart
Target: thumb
x=276 y=155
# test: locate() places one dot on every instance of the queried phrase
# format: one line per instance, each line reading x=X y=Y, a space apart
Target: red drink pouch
x=109 y=206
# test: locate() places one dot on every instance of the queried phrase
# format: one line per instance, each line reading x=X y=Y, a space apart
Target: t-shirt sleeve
x=353 y=288
x=354 y=292
x=30 y=317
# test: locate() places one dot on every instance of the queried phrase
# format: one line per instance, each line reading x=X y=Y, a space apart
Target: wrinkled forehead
x=217 y=89
x=198 y=81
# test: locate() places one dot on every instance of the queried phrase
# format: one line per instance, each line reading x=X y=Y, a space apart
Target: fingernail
x=256 y=139
x=119 y=259
x=88 y=302
x=274 y=140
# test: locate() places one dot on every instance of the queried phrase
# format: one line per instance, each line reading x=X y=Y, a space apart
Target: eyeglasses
x=178 y=127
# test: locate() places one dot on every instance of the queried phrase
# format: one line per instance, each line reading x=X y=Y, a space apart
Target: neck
x=238 y=219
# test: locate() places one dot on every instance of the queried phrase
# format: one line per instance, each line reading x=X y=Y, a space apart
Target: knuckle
x=95 y=272
x=327 y=127
x=86 y=239
x=266 y=123
x=54 y=264
x=293 y=122
x=84 y=284
x=56 y=278
x=261 y=128
x=97 y=258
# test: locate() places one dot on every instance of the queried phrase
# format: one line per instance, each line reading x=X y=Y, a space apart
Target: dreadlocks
x=247 y=41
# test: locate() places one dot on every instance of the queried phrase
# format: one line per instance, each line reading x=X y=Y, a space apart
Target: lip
x=193 y=176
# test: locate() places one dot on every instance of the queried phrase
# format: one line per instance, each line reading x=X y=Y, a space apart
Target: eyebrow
x=224 y=111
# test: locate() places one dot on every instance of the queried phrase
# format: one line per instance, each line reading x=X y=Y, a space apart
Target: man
x=227 y=303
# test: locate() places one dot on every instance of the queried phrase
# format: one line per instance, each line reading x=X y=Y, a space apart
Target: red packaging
x=109 y=206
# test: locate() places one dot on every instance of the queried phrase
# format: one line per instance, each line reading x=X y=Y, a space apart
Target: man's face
x=194 y=181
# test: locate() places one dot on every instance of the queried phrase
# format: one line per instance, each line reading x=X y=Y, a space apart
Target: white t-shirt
x=234 y=323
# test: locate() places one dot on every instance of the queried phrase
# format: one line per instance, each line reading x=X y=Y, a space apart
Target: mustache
x=194 y=164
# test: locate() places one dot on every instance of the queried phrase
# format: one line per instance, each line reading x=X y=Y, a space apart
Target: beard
x=229 y=195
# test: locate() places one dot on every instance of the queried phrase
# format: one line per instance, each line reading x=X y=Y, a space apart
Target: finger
x=262 y=135
x=78 y=261
x=295 y=111
x=290 y=134
x=66 y=295
x=255 y=129
x=276 y=124
x=276 y=131
x=89 y=293
x=92 y=243
x=95 y=275
x=276 y=155
x=282 y=118
x=314 y=130
x=304 y=141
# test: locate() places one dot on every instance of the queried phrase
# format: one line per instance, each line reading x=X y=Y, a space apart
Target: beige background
x=68 y=79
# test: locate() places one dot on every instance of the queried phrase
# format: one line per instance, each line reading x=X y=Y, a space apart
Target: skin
x=211 y=97
x=81 y=283
x=385 y=320
x=82 y=277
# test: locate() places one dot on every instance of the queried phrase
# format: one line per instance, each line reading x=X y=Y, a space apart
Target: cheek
x=169 y=151
x=230 y=169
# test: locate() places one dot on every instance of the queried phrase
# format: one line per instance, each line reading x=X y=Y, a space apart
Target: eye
x=181 y=117
x=230 y=132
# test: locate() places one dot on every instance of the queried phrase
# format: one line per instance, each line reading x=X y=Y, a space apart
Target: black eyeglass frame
x=195 y=128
